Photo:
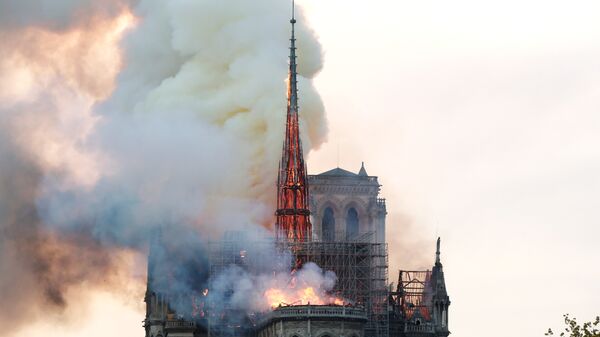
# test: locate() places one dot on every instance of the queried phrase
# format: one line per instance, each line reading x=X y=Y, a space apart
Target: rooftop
x=338 y=172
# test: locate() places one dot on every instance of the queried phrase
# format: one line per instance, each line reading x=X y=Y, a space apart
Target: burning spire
x=293 y=216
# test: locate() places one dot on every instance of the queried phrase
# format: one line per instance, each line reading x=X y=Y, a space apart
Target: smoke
x=56 y=14
x=118 y=118
x=236 y=289
x=192 y=131
x=249 y=274
x=45 y=100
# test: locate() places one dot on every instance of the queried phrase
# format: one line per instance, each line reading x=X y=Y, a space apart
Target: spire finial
x=362 y=171
x=437 y=253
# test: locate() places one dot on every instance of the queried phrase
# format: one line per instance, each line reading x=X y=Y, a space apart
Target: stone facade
x=314 y=321
x=346 y=206
x=162 y=322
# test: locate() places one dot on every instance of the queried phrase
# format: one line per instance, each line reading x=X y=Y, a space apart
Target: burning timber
x=326 y=281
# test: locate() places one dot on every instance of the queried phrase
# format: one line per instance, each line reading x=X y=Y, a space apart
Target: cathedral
x=335 y=220
x=346 y=206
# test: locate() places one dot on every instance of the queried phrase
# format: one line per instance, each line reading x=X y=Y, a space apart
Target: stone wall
x=339 y=192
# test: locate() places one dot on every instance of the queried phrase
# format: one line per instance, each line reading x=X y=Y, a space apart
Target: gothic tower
x=347 y=207
x=293 y=215
x=440 y=299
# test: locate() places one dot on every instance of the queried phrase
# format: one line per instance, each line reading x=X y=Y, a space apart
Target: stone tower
x=346 y=206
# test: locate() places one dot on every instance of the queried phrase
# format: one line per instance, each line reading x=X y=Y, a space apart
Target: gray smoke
x=187 y=137
x=241 y=274
x=237 y=290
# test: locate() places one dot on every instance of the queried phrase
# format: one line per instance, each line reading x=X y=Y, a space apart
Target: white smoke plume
x=177 y=125
x=192 y=132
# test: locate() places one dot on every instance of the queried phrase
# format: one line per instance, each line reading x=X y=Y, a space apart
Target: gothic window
x=328 y=225
x=351 y=224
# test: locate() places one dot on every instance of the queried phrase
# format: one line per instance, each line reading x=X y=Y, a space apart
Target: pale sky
x=482 y=120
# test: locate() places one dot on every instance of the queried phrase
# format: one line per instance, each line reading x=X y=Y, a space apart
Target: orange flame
x=308 y=295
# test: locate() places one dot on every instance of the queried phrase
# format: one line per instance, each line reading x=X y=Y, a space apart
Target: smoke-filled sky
x=481 y=119
x=121 y=118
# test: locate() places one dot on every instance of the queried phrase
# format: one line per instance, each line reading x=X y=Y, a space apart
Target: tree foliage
x=574 y=329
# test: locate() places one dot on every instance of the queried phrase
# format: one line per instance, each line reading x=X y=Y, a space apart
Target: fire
x=338 y=301
x=308 y=295
x=307 y=284
x=303 y=296
x=275 y=297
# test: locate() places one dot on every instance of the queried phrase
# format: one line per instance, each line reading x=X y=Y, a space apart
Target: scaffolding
x=361 y=267
x=234 y=250
x=362 y=272
x=413 y=289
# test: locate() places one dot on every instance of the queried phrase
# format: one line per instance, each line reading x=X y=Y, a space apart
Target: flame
x=276 y=297
x=303 y=296
x=338 y=301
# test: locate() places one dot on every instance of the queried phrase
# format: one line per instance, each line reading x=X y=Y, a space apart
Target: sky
x=482 y=121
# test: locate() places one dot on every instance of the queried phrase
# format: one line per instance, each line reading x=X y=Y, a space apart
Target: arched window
x=351 y=224
x=328 y=225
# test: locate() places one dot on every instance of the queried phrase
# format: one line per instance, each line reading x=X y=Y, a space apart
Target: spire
x=293 y=215
x=440 y=297
x=292 y=75
x=362 y=171
x=437 y=254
